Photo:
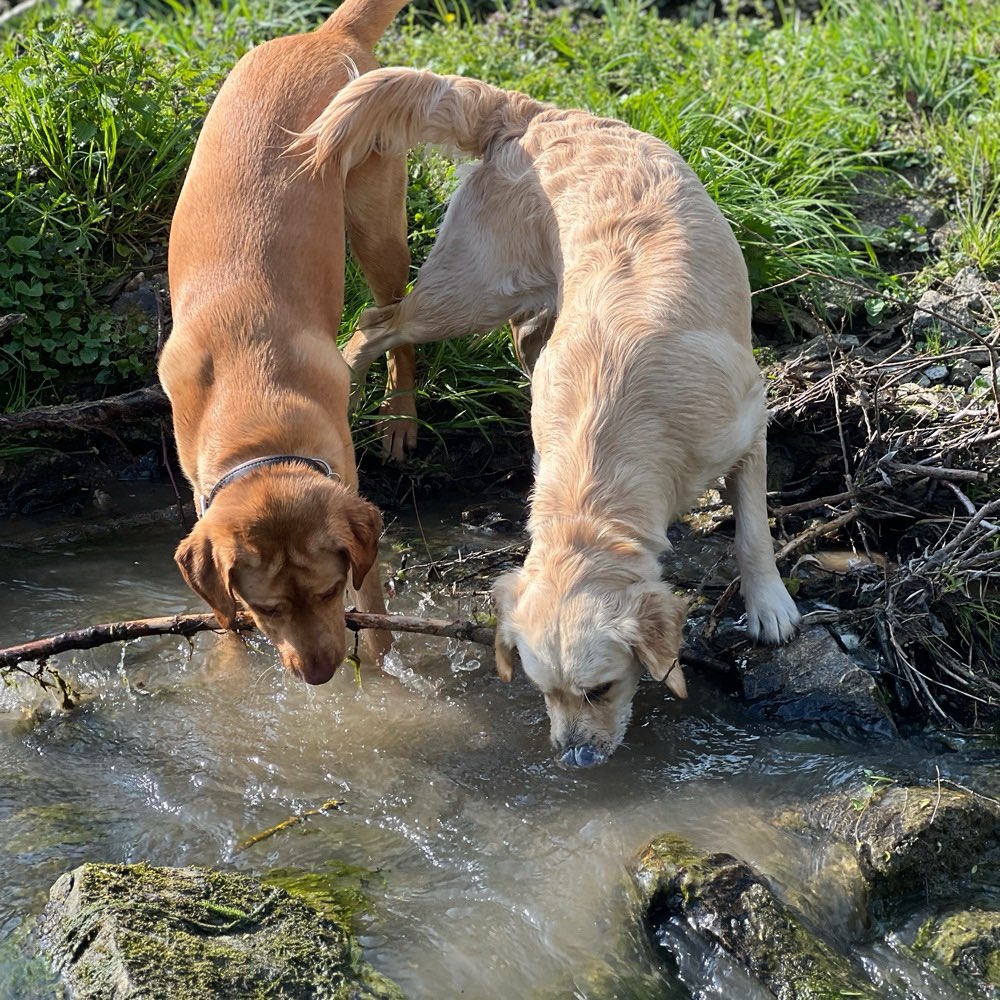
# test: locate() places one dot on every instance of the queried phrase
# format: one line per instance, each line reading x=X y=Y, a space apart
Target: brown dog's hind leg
x=375 y=216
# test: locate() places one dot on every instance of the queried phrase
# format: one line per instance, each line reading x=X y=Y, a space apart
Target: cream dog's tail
x=390 y=110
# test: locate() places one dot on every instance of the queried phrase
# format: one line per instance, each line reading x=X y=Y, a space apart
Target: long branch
x=187 y=625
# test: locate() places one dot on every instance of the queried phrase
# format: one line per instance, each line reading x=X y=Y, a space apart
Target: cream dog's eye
x=332 y=592
x=265 y=612
x=596 y=693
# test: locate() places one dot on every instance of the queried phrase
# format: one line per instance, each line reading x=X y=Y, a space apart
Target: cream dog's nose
x=583 y=756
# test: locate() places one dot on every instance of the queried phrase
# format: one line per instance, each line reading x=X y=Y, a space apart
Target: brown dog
x=633 y=309
x=259 y=390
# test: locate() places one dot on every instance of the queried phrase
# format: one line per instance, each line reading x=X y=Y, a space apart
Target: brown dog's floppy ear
x=657 y=642
x=206 y=570
x=364 y=531
x=506 y=591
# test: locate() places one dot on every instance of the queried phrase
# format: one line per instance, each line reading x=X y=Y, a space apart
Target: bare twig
x=39 y=650
x=100 y=414
x=817 y=530
x=18 y=9
x=932 y=472
x=827 y=501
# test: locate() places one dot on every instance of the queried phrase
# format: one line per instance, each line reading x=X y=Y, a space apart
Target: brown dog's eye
x=596 y=693
x=268 y=612
x=331 y=593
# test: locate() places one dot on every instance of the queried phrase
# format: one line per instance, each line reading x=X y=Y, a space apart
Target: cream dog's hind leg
x=478 y=274
x=452 y=298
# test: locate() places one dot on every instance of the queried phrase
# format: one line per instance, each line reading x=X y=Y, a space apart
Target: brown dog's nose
x=313 y=669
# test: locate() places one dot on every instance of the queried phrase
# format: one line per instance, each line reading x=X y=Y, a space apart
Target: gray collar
x=239 y=471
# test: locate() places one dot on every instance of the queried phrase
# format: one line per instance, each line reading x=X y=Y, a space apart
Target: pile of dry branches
x=900 y=460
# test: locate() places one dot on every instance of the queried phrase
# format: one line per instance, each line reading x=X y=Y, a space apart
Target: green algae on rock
x=908 y=839
x=135 y=932
x=966 y=942
x=337 y=891
x=726 y=901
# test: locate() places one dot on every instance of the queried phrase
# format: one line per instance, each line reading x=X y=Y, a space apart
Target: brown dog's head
x=283 y=545
x=584 y=646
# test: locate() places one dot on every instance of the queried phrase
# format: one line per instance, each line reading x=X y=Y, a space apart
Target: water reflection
x=501 y=873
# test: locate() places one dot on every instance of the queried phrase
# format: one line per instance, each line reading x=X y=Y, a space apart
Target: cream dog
x=259 y=390
x=633 y=308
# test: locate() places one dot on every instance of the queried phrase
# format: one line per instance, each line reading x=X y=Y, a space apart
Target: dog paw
x=399 y=428
x=772 y=616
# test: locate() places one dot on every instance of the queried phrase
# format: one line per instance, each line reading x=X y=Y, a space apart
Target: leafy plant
x=95 y=137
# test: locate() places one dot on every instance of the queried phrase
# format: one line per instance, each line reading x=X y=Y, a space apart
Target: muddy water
x=497 y=874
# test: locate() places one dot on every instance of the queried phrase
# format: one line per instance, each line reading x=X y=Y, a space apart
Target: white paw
x=772 y=616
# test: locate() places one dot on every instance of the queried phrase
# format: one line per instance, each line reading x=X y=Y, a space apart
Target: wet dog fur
x=631 y=309
x=252 y=368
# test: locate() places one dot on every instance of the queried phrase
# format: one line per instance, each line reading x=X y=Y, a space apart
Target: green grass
x=782 y=123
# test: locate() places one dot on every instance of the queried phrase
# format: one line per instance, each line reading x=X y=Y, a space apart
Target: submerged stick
x=293 y=820
x=187 y=625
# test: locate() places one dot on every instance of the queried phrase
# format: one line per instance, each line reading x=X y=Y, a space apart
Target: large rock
x=812 y=680
x=960 y=305
x=727 y=902
x=908 y=839
x=133 y=932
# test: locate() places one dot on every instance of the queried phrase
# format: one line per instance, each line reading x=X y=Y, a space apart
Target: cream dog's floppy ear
x=659 y=619
x=207 y=569
x=506 y=592
x=365 y=523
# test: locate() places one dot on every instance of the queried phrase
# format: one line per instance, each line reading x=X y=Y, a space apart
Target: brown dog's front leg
x=369 y=597
x=375 y=203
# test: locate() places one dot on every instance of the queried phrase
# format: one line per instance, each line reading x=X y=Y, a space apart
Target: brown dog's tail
x=390 y=110
x=364 y=20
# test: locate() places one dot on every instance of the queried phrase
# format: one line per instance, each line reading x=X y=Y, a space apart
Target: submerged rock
x=908 y=839
x=133 y=932
x=966 y=943
x=727 y=902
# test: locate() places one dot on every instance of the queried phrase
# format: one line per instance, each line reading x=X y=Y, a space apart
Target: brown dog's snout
x=313 y=669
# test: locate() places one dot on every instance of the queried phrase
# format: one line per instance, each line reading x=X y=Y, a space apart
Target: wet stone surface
x=812 y=680
x=909 y=840
x=726 y=901
x=134 y=932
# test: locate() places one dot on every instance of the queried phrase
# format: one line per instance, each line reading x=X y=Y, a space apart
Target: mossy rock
x=727 y=902
x=908 y=838
x=134 y=932
x=966 y=943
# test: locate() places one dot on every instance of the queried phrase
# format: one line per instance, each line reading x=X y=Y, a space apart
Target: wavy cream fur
x=631 y=308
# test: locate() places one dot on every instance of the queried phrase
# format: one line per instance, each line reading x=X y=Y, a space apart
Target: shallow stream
x=496 y=874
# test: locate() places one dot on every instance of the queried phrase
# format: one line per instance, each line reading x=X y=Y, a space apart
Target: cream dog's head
x=284 y=546
x=583 y=638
